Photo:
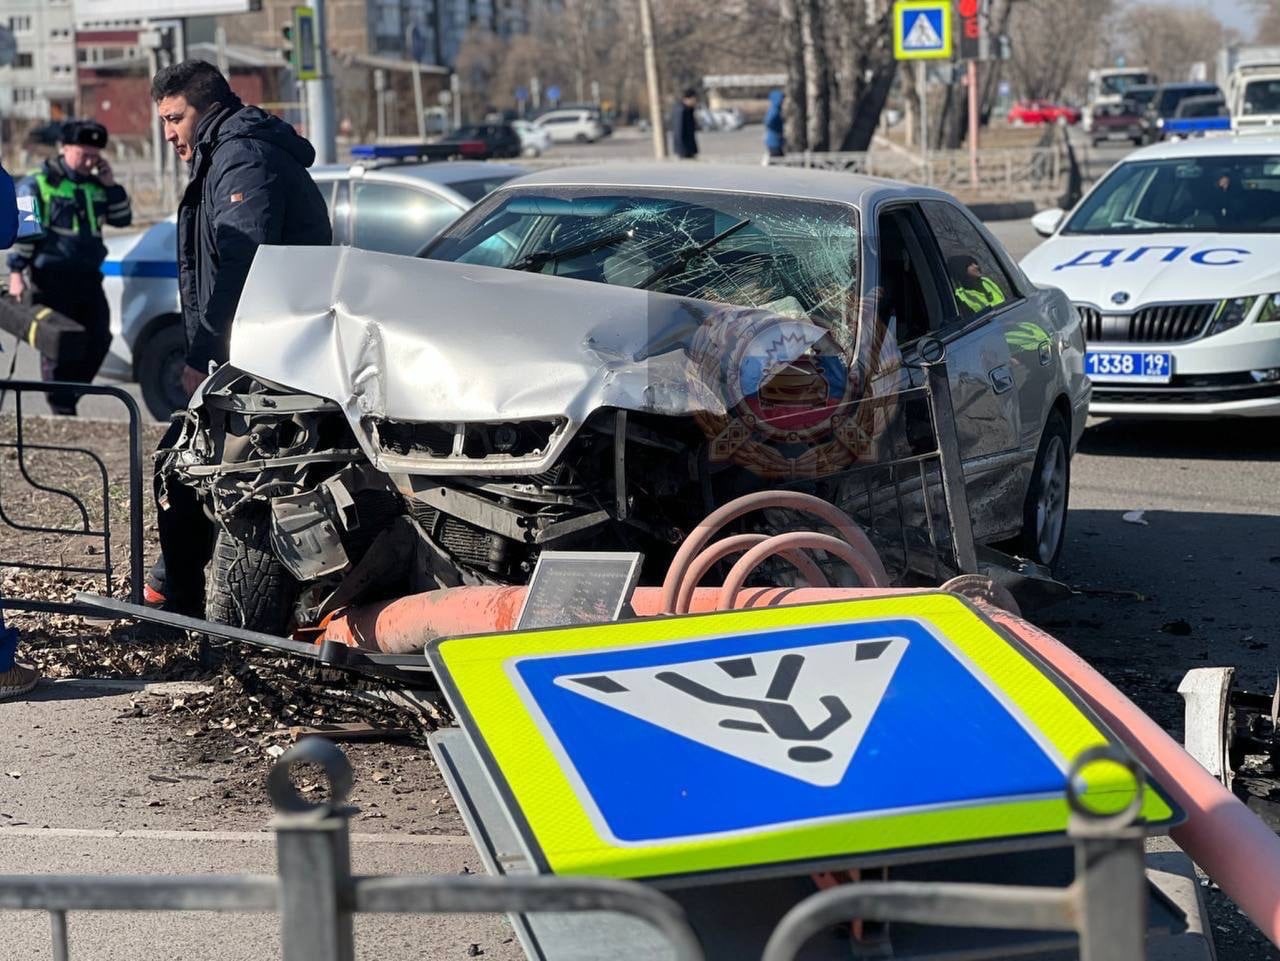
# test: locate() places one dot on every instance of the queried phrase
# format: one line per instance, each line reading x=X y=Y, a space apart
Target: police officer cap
x=86 y=133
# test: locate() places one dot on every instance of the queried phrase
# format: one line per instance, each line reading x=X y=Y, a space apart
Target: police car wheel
x=1044 y=515
x=160 y=370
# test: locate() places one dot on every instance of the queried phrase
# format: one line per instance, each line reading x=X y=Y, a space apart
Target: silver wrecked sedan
x=597 y=358
x=794 y=242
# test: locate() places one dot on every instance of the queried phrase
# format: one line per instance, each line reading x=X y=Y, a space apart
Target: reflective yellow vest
x=979 y=300
x=95 y=195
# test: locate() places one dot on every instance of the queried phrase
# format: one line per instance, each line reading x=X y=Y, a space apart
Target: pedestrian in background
x=684 y=126
x=249 y=186
x=775 y=140
x=75 y=195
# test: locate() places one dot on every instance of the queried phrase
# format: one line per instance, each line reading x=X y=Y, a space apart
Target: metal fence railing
x=77 y=483
x=316 y=896
x=314 y=891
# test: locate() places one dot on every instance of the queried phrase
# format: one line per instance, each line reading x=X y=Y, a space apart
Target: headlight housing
x=1230 y=313
x=1270 y=312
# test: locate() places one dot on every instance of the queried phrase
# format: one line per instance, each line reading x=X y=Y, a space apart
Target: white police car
x=385 y=201
x=1173 y=260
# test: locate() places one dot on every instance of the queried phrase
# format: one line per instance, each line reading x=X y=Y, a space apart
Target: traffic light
x=287 y=32
x=1005 y=47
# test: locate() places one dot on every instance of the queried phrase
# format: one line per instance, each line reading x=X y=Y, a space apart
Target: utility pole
x=320 y=92
x=651 y=76
x=417 y=81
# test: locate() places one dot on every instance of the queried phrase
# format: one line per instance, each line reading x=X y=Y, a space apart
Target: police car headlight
x=1160 y=122
x=1270 y=309
x=1230 y=313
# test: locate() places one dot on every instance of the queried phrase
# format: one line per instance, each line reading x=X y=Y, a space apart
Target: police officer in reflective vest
x=974 y=291
x=76 y=194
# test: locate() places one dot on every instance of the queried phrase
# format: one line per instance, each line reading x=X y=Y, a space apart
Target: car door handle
x=1046 y=353
x=1001 y=379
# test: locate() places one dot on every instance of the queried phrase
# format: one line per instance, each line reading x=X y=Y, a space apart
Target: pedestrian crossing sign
x=778 y=739
x=922 y=30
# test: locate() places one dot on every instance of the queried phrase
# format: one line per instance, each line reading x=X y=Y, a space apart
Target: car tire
x=248 y=586
x=159 y=370
x=582 y=138
x=1044 y=513
x=1137 y=141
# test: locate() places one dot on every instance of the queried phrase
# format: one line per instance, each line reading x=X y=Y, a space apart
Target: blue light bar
x=369 y=151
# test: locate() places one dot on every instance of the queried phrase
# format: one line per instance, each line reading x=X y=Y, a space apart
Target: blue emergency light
x=370 y=151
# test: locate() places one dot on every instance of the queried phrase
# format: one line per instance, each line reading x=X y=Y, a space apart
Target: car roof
x=443 y=172
x=1243 y=145
x=855 y=189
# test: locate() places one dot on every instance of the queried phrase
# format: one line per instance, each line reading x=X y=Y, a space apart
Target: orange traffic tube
x=1231 y=844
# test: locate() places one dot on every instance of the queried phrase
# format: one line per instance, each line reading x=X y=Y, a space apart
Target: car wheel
x=159 y=370
x=1044 y=514
x=248 y=586
x=1137 y=141
x=582 y=138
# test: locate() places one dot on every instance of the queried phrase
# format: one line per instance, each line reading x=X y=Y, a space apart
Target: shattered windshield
x=793 y=257
x=1205 y=194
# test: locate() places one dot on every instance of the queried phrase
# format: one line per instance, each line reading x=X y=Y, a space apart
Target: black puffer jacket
x=249 y=186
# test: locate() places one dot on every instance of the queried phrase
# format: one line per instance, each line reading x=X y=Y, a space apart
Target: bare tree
x=795 y=113
x=1169 y=38
x=1267 y=29
x=817 y=74
x=1055 y=44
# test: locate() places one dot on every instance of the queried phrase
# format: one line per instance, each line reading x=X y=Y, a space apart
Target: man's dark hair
x=198 y=80
x=690 y=92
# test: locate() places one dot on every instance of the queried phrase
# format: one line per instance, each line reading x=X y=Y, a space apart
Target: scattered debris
x=1135 y=517
x=353 y=731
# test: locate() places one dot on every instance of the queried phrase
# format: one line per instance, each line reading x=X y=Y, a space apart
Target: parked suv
x=1164 y=105
x=571 y=126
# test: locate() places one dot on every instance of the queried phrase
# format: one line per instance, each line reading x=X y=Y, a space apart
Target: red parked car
x=1035 y=112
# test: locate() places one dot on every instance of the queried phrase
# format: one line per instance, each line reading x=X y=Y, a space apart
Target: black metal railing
x=91 y=522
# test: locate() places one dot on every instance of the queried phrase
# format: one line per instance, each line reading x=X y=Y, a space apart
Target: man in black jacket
x=684 y=126
x=249 y=186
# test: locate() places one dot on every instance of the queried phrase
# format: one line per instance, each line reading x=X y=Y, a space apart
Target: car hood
x=412 y=340
x=1128 y=271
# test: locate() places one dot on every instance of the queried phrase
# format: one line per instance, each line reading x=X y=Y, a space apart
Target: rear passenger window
x=975 y=277
x=398 y=220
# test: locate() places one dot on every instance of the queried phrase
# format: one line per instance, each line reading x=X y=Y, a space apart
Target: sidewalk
x=84 y=801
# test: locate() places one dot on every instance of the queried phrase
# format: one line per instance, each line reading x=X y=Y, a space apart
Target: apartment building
x=41 y=83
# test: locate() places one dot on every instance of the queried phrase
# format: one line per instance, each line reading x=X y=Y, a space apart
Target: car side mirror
x=1047 y=221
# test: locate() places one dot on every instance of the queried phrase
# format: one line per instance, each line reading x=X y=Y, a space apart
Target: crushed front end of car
x=412 y=425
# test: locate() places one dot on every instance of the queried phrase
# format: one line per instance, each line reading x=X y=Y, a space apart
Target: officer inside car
x=974 y=290
x=75 y=194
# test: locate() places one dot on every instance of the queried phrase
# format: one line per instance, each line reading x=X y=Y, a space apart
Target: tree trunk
x=795 y=116
x=867 y=109
x=872 y=70
x=817 y=73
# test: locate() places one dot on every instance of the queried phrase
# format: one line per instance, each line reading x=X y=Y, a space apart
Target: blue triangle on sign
x=850 y=741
